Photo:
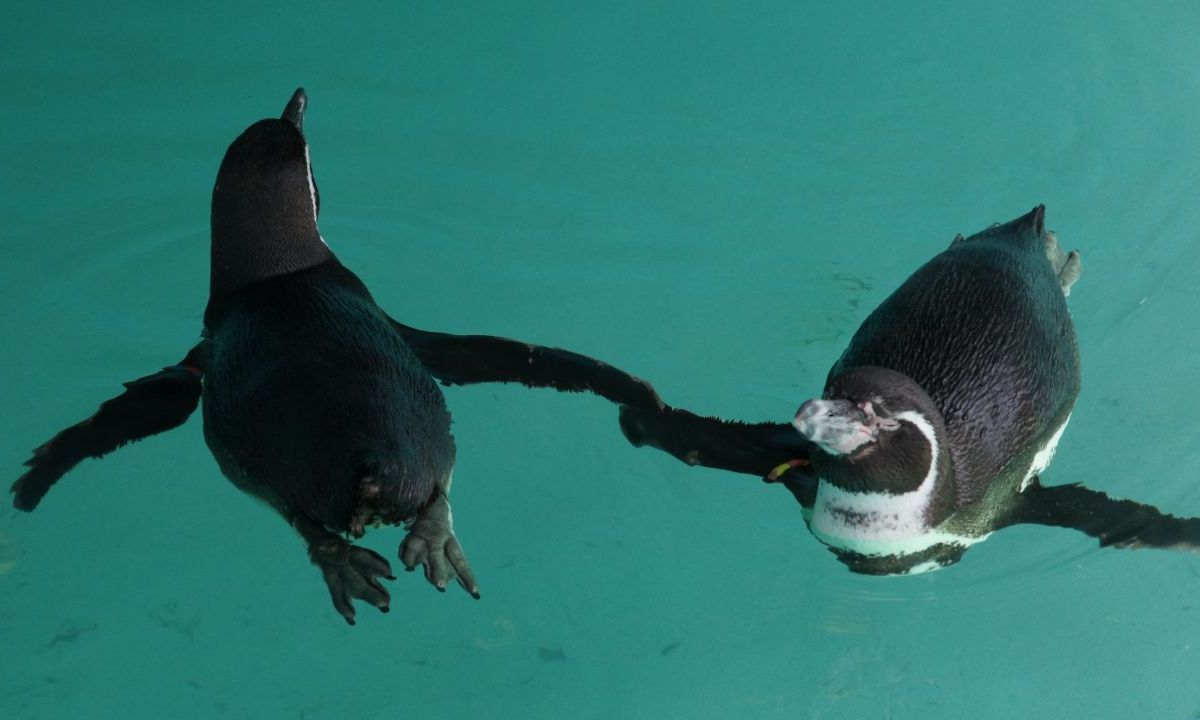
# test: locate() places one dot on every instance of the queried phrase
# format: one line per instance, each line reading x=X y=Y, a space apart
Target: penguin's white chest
x=869 y=523
x=879 y=524
x=884 y=524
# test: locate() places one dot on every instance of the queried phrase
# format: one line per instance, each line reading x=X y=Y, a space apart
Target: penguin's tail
x=391 y=492
x=1027 y=231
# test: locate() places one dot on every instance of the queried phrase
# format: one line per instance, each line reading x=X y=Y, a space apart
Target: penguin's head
x=842 y=426
x=886 y=479
x=265 y=204
x=877 y=431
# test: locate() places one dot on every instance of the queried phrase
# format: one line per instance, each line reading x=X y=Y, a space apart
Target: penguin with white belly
x=315 y=400
x=938 y=418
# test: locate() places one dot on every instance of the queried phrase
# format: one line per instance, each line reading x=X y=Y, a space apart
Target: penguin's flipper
x=774 y=452
x=149 y=405
x=471 y=359
x=1115 y=523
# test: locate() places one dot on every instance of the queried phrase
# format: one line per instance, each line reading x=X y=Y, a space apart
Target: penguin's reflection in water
x=315 y=400
x=937 y=420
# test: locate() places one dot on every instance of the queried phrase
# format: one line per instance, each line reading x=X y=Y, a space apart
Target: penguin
x=314 y=399
x=938 y=419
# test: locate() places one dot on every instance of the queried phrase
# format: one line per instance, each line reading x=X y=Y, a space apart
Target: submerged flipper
x=149 y=405
x=774 y=452
x=471 y=359
x=1115 y=523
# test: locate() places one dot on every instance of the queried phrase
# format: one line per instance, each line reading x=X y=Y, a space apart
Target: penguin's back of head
x=265 y=205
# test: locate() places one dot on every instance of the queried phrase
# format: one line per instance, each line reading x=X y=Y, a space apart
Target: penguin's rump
x=312 y=379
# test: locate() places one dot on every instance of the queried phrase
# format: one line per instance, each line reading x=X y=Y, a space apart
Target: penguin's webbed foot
x=432 y=544
x=352 y=573
x=1068 y=267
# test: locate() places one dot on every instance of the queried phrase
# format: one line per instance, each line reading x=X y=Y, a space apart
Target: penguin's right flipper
x=1115 y=523
x=774 y=452
x=149 y=405
x=472 y=359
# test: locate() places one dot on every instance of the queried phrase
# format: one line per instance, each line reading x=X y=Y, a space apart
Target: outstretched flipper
x=1115 y=523
x=471 y=359
x=773 y=451
x=149 y=405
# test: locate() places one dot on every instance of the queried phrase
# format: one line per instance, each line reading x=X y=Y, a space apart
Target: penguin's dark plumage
x=265 y=205
x=314 y=399
x=937 y=419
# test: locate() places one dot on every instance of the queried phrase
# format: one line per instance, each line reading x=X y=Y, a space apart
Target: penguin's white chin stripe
x=877 y=524
x=312 y=187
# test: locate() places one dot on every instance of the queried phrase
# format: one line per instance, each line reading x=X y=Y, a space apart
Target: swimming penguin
x=937 y=420
x=315 y=400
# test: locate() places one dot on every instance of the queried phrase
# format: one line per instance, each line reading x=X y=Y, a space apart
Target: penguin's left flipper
x=772 y=451
x=149 y=405
x=471 y=359
x=1115 y=523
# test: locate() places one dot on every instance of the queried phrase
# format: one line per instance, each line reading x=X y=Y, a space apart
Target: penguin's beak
x=294 y=112
x=840 y=427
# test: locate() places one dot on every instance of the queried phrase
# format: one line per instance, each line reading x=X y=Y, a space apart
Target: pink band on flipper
x=779 y=470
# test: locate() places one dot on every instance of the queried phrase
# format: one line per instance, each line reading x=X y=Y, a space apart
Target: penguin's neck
x=256 y=236
x=878 y=522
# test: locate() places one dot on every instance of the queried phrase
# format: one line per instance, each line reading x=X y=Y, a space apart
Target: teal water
x=712 y=197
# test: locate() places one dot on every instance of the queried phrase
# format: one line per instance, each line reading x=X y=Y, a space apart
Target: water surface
x=712 y=197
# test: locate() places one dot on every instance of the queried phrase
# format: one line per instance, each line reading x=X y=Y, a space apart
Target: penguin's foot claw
x=1068 y=267
x=352 y=573
x=431 y=543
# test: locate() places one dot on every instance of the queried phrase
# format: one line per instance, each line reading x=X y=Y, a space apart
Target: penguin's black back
x=309 y=389
x=984 y=329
